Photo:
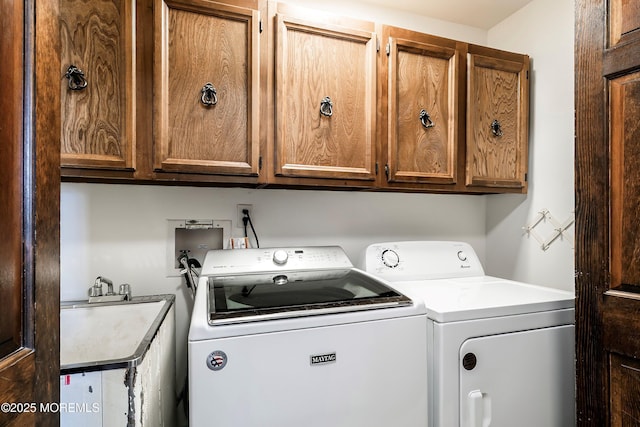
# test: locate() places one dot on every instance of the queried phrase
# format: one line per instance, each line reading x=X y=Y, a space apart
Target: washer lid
x=469 y=298
x=259 y=297
x=258 y=290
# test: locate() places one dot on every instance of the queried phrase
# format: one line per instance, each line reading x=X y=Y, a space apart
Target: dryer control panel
x=421 y=260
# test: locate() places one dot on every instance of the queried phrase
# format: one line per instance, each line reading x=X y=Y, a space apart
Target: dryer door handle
x=479 y=409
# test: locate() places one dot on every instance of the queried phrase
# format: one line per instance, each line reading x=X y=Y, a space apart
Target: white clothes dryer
x=500 y=352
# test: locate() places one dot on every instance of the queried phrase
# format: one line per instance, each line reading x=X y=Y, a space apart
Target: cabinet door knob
x=76 y=78
x=495 y=128
x=326 y=107
x=425 y=119
x=209 y=95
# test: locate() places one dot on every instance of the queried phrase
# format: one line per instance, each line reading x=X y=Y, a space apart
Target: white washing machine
x=294 y=337
x=500 y=352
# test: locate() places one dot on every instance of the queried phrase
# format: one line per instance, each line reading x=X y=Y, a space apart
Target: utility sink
x=109 y=335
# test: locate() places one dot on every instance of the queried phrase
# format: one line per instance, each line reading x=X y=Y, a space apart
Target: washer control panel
x=417 y=260
x=246 y=261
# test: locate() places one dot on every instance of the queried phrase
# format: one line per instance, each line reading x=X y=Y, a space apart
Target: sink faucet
x=109 y=284
x=96 y=289
x=96 y=295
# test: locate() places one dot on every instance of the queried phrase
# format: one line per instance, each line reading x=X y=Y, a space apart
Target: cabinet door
x=97 y=95
x=497 y=119
x=325 y=100
x=422 y=109
x=206 y=114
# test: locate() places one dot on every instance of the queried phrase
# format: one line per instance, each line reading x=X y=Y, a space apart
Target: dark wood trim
x=592 y=214
x=30 y=128
x=45 y=213
x=621 y=59
x=28 y=173
x=11 y=49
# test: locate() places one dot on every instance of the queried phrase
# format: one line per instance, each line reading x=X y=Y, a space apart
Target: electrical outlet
x=239 y=222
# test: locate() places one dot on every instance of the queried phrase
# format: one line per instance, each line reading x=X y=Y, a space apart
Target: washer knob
x=390 y=258
x=462 y=256
x=280 y=257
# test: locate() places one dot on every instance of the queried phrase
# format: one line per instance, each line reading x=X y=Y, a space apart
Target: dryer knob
x=280 y=257
x=390 y=258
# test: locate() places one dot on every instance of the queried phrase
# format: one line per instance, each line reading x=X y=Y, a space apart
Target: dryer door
x=521 y=379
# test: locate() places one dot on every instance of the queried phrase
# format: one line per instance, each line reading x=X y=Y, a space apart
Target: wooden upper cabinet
x=206 y=88
x=325 y=110
x=259 y=92
x=422 y=88
x=97 y=95
x=497 y=119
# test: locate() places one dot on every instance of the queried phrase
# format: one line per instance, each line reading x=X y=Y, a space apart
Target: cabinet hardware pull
x=425 y=119
x=76 y=78
x=326 y=107
x=209 y=95
x=495 y=128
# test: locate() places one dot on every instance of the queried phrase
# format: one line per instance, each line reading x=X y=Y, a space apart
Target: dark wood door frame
x=591 y=189
x=30 y=246
x=607 y=158
x=44 y=261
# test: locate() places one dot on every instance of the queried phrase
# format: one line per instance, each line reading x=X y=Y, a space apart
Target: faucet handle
x=95 y=290
x=125 y=290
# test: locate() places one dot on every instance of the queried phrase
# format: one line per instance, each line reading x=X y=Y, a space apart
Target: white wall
x=375 y=13
x=544 y=30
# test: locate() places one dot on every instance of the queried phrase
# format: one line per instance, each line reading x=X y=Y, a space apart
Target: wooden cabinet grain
x=457 y=115
x=207 y=88
x=420 y=136
x=497 y=119
x=262 y=93
x=98 y=120
x=325 y=107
